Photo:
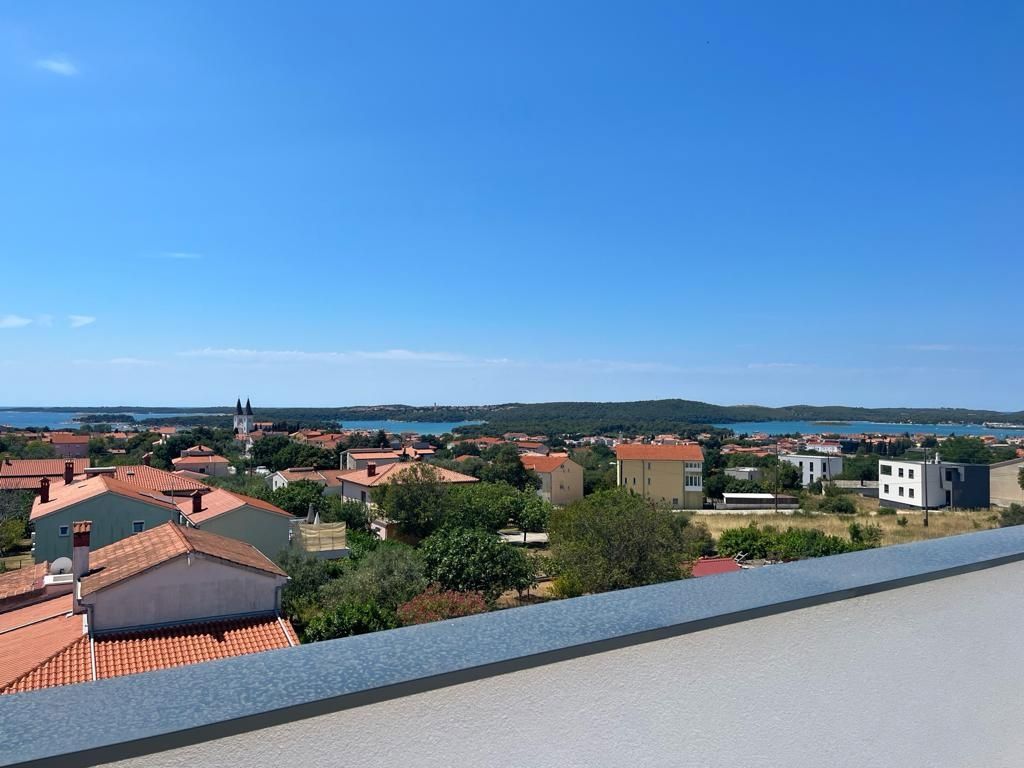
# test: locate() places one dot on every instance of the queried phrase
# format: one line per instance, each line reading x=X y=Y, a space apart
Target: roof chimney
x=69 y=472
x=80 y=548
x=44 y=490
x=371 y=469
x=197 y=502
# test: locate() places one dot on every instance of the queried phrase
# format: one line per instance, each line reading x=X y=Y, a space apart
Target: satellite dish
x=60 y=565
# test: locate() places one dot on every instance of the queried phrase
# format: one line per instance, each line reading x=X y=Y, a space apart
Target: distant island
x=636 y=417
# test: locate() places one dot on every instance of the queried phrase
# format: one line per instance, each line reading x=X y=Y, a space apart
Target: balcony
x=904 y=656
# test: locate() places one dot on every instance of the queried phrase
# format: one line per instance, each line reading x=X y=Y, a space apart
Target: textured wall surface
x=927 y=675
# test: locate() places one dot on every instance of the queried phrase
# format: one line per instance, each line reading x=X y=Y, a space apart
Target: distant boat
x=1001 y=425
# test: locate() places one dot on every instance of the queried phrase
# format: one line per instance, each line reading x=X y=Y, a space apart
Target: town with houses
x=143 y=547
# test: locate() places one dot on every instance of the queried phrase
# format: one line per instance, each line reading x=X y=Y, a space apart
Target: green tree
x=12 y=531
x=354 y=514
x=296 y=497
x=416 y=500
x=387 y=576
x=532 y=515
x=507 y=467
x=1020 y=478
x=613 y=540
x=967 y=450
x=474 y=560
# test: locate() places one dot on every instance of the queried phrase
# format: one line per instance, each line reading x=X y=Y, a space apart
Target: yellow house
x=561 y=478
x=673 y=474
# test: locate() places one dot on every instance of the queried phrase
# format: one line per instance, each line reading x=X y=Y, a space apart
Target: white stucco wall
x=930 y=675
x=182 y=591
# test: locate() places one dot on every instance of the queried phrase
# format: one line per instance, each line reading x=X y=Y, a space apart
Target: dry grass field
x=940 y=524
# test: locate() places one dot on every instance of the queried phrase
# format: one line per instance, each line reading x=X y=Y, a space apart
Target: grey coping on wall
x=122 y=717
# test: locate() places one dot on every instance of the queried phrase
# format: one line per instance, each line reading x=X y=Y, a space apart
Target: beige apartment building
x=561 y=478
x=673 y=474
x=1004 y=487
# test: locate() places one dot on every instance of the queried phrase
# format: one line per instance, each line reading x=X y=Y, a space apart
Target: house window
x=885 y=469
x=65 y=530
x=648 y=465
x=885 y=489
x=801 y=466
x=901 y=490
x=910 y=474
x=901 y=471
x=910 y=492
x=138 y=526
x=675 y=502
x=648 y=481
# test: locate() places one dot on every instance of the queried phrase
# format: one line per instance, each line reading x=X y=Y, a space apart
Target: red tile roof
x=65 y=439
x=65 y=495
x=135 y=554
x=218 y=502
x=187 y=461
x=543 y=464
x=153 y=479
x=709 y=566
x=34 y=634
x=324 y=476
x=129 y=653
x=389 y=472
x=22 y=581
x=39 y=467
x=645 y=452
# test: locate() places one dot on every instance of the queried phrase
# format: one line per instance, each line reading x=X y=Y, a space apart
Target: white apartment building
x=932 y=484
x=814 y=467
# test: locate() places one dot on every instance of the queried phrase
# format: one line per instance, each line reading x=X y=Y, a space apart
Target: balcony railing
x=908 y=655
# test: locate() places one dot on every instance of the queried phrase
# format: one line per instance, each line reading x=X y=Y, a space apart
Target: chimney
x=197 y=502
x=310 y=514
x=147 y=457
x=69 y=472
x=80 y=548
x=44 y=490
x=371 y=469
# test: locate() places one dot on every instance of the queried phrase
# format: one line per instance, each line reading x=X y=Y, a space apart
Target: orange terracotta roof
x=65 y=495
x=135 y=554
x=65 y=439
x=644 y=452
x=34 y=634
x=153 y=479
x=543 y=464
x=529 y=444
x=389 y=472
x=39 y=467
x=218 y=502
x=129 y=653
x=22 y=581
x=375 y=455
x=325 y=476
x=196 y=460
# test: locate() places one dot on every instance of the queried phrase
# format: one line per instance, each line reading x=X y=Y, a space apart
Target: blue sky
x=330 y=204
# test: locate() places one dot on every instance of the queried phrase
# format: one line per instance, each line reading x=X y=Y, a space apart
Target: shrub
x=839 y=505
x=865 y=536
x=1013 y=515
x=475 y=561
x=436 y=604
x=902 y=521
x=349 y=619
x=886 y=511
x=771 y=544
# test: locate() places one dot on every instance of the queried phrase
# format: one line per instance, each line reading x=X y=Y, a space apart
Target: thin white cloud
x=295 y=356
x=930 y=347
x=57 y=65
x=178 y=255
x=762 y=366
x=127 y=362
x=14 y=321
x=45 y=320
x=78 y=321
x=268 y=356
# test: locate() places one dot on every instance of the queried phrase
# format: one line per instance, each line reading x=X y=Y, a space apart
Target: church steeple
x=248 y=407
x=238 y=407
